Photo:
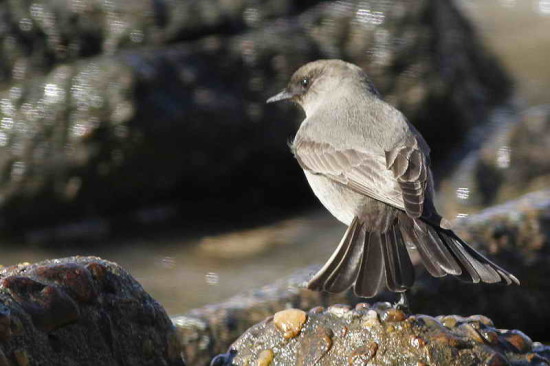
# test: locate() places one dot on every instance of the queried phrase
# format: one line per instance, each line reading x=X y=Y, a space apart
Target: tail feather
x=468 y=265
x=319 y=280
x=389 y=265
x=345 y=274
x=478 y=271
x=404 y=264
x=428 y=258
x=372 y=276
x=506 y=276
x=472 y=265
x=399 y=269
x=428 y=241
x=369 y=261
x=372 y=261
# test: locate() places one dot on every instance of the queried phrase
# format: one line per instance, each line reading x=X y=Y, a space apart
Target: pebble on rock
x=265 y=358
x=362 y=355
x=290 y=322
x=393 y=315
x=519 y=340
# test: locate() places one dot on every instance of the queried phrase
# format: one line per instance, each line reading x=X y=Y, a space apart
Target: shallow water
x=184 y=273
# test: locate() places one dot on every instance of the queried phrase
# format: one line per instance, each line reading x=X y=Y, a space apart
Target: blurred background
x=136 y=130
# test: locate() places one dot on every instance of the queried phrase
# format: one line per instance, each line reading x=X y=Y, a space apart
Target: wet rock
x=511 y=161
x=61 y=312
x=362 y=355
x=379 y=346
x=314 y=348
x=520 y=341
x=80 y=139
x=50 y=307
x=39 y=34
x=541 y=350
x=5 y=323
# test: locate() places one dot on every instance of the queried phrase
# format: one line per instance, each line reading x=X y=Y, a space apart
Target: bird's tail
x=373 y=261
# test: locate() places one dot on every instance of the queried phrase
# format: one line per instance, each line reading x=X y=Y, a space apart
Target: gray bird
x=370 y=168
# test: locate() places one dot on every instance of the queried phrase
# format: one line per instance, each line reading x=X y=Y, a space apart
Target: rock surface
x=81 y=311
x=185 y=118
x=381 y=335
x=38 y=34
x=515 y=235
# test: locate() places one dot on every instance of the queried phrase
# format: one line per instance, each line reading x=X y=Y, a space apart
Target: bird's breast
x=342 y=202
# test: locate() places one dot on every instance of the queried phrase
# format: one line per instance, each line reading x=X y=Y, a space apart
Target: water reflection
x=503 y=157
x=212 y=278
x=463 y=193
x=367 y=16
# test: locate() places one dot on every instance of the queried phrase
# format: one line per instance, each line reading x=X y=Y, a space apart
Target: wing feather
x=362 y=171
x=410 y=167
x=399 y=178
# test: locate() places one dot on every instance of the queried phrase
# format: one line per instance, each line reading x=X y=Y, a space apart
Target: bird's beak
x=284 y=95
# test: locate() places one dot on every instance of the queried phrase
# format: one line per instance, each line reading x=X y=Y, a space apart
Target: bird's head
x=321 y=79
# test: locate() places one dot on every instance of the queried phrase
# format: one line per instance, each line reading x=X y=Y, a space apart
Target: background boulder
x=81 y=311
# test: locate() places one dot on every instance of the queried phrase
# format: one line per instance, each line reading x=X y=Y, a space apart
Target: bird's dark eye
x=304 y=82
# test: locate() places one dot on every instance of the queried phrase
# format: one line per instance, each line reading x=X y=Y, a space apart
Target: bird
x=370 y=167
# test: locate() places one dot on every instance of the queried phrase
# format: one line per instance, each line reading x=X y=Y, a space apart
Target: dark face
x=300 y=84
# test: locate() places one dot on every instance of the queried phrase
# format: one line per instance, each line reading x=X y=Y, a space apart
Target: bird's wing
x=401 y=178
x=364 y=172
x=410 y=167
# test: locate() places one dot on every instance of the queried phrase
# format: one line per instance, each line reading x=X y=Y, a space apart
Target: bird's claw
x=403 y=303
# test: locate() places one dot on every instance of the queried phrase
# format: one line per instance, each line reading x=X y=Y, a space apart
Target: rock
x=515 y=235
x=413 y=340
x=512 y=160
x=37 y=35
x=81 y=311
x=179 y=122
x=208 y=331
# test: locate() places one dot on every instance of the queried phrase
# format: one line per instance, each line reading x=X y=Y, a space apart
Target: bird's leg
x=403 y=303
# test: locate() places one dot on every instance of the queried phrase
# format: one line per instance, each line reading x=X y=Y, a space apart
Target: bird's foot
x=403 y=303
